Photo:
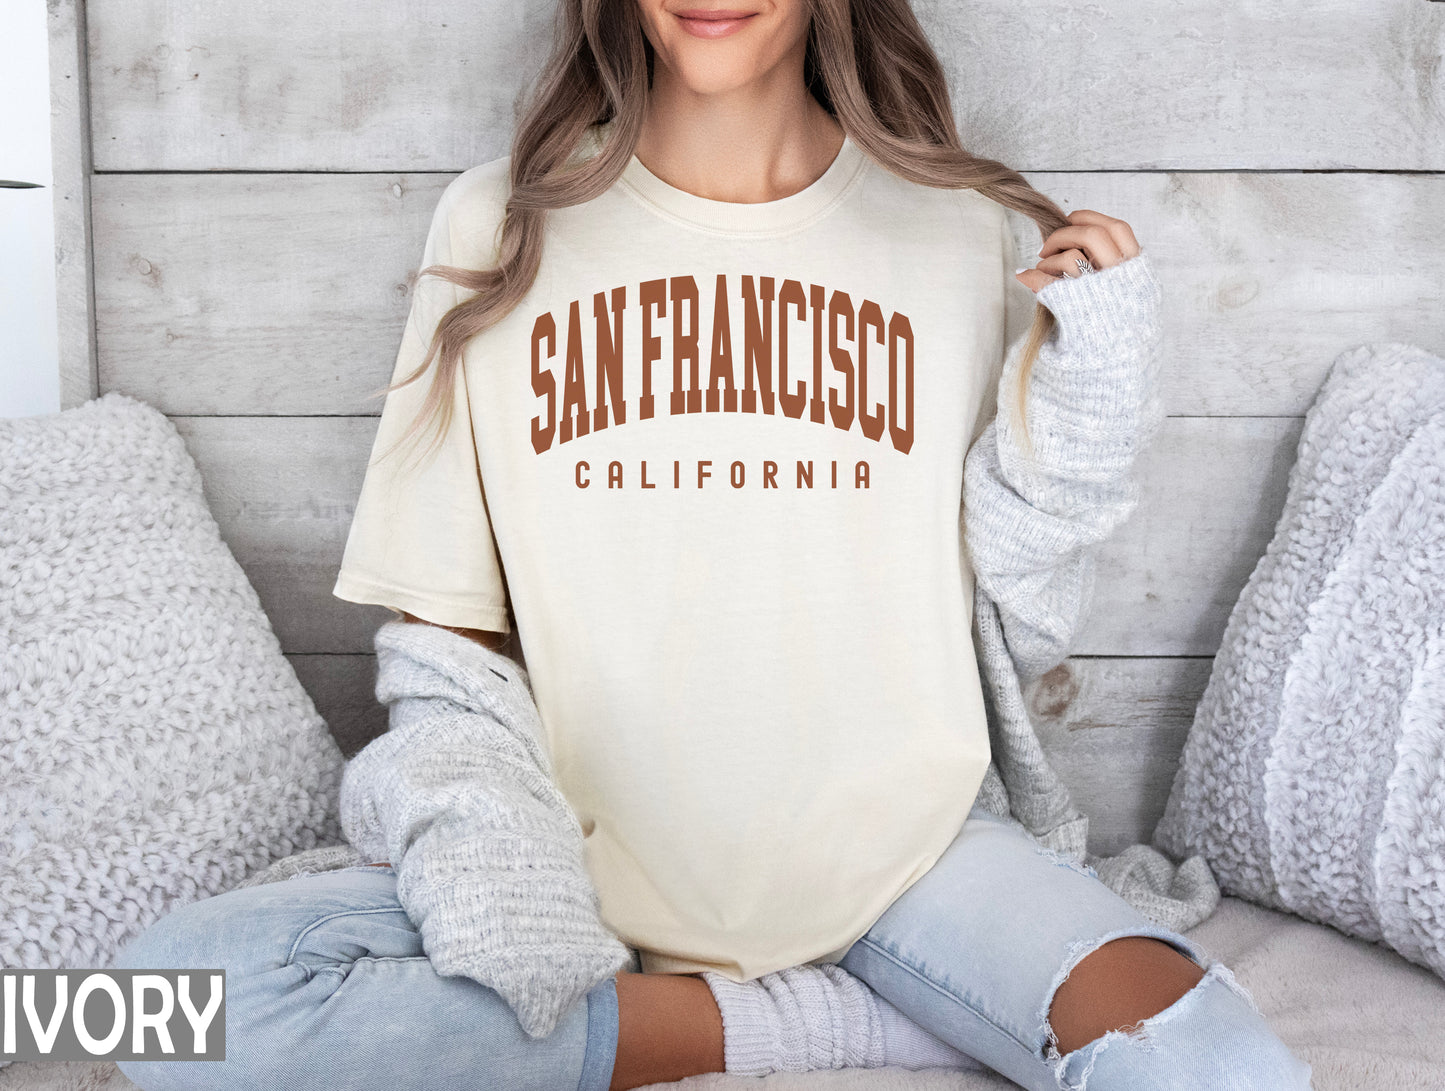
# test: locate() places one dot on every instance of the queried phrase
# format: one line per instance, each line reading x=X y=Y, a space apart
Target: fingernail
x=1022 y=269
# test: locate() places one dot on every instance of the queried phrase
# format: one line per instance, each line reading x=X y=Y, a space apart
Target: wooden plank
x=372 y=85
x=1114 y=730
x=256 y=293
x=343 y=688
x=331 y=85
x=283 y=490
x=70 y=169
x=1267 y=278
x=1213 y=489
x=1196 y=84
x=267 y=293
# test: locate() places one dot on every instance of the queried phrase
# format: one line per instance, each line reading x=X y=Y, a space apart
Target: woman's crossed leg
x=1010 y=953
x=327 y=985
x=1022 y=958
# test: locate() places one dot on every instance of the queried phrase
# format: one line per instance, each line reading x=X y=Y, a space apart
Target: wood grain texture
x=331 y=85
x=343 y=688
x=1213 y=489
x=1267 y=277
x=71 y=174
x=1068 y=85
x=256 y=293
x=286 y=294
x=1114 y=729
x=283 y=491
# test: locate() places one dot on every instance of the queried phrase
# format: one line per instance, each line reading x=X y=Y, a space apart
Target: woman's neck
x=759 y=143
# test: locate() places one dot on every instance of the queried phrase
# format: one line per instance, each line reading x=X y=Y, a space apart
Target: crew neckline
x=789 y=213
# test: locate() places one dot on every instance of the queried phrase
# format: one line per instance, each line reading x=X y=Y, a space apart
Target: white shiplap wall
x=264 y=174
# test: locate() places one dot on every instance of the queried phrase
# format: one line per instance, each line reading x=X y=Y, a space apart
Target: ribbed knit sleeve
x=459 y=796
x=1032 y=522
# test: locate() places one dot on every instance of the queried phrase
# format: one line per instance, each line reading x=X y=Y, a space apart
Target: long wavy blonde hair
x=868 y=63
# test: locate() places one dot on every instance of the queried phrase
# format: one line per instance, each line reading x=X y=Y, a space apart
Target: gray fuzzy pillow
x=156 y=746
x=1313 y=778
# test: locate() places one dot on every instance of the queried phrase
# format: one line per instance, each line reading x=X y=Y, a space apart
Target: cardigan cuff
x=1099 y=309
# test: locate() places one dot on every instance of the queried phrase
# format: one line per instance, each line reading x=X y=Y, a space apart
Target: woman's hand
x=1102 y=240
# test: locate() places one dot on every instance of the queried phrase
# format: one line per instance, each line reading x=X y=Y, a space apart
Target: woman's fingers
x=1063 y=264
x=1066 y=264
x=1104 y=240
x=1034 y=279
x=1093 y=241
x=1098 y=239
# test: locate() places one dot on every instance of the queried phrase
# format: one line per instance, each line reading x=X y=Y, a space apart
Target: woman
x=732 y=314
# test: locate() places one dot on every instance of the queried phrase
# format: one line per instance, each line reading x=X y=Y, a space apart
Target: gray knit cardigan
x=459 y=796
x=1031 y=525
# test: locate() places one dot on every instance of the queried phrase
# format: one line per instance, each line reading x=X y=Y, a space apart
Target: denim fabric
x=975 y=949
x=327 y=985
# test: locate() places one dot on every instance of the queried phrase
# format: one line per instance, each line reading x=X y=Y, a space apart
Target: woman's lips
x=703 y=23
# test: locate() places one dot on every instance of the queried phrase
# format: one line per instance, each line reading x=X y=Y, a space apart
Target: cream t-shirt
x=713 y=464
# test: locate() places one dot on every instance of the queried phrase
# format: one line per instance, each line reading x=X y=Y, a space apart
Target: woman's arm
x=1032 y=522
x=487 y=638
x=457 y=794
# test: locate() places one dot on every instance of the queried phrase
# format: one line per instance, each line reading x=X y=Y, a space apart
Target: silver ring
x=1085 y=266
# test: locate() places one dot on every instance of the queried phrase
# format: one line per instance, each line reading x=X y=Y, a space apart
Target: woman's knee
x=272 y=943
x=1119 y=983
x=254 y=929
x=1211 y=1033
x=190 y=936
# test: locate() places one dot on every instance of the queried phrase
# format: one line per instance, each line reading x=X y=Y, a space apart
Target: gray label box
x=124 y=1015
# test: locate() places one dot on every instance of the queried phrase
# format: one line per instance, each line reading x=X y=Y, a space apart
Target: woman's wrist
x=1098 y=312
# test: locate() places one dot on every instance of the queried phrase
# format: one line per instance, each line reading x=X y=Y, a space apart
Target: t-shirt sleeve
x=421 y=538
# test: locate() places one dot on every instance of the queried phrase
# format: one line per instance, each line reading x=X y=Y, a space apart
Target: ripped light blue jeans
x=975 y=949
x=328 y=986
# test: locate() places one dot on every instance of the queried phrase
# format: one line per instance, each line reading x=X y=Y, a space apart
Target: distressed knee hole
x=1072 y=1069
x=1080 y=1059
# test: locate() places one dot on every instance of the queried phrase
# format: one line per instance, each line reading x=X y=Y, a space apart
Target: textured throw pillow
x=1313 y=778
x=155 y=745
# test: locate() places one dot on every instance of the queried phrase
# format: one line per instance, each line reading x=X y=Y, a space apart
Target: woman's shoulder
x=981 y=204
x=479 y=191
x=475 y=201
x=930 y=216
x=470 y=211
